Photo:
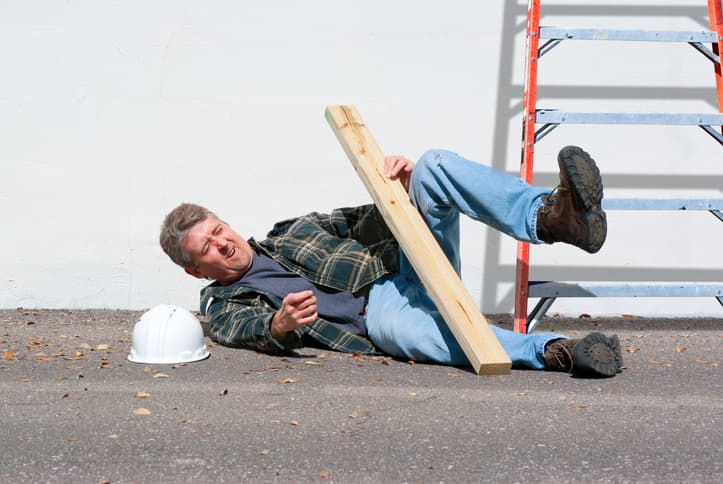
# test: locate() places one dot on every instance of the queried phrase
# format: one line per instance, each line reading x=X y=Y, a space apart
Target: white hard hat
x=167 y=334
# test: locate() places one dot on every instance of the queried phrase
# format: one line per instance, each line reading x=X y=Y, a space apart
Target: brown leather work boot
x=572 y=212
x=593 y=355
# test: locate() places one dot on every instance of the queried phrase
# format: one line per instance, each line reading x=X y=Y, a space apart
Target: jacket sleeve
x=364 y=223
x=244 y=323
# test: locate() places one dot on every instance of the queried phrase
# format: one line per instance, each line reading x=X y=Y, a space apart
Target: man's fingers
x=394 y=165
x=297 y=298
x=308 y=319
x=299 y=308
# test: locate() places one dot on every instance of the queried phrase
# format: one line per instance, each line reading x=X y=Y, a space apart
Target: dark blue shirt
x=339 y=307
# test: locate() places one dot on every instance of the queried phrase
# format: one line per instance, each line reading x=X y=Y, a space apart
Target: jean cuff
x=532 y=221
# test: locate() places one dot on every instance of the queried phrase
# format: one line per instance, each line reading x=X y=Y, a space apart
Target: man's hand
x=297 y=309
x=398 y=167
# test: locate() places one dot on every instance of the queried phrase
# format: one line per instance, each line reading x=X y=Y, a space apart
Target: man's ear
x=194 y=272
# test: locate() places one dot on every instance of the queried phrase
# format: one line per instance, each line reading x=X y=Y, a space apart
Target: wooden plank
x=461 y=314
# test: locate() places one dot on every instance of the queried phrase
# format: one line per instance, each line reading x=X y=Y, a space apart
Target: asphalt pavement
x=74 y=409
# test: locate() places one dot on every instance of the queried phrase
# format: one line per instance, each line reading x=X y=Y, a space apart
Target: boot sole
x=593 y=356
x=614 y=343
x=587 y=186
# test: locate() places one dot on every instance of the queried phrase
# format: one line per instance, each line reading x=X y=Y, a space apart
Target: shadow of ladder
x=548 y=120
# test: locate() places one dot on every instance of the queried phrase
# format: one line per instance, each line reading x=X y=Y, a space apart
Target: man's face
x=218 y=251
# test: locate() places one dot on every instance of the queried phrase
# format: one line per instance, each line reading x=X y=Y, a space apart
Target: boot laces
x=562 y=355
x=549 y=201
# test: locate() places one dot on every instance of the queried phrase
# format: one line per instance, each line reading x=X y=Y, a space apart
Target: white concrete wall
x=112 y=112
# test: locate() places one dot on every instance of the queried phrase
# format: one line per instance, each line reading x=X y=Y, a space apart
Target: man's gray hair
x=176 y=226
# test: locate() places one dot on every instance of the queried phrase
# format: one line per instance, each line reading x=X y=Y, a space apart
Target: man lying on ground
x=340 y=281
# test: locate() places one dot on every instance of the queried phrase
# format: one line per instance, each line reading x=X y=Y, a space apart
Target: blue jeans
x=401 y=318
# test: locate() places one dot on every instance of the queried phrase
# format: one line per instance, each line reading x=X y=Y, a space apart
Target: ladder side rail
x=715 y=13
x=529 y=103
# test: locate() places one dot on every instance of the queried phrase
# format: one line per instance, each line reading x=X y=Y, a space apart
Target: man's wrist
x=277 y=333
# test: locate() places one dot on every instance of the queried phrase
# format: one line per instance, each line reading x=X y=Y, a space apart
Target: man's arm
x=247 y=324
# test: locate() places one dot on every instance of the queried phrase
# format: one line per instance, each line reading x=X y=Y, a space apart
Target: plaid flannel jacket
x=347 y=249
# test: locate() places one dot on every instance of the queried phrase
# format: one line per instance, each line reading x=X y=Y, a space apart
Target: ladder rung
x=624 y=289
x=662 y=204
x=627 y=35
x=566 y=117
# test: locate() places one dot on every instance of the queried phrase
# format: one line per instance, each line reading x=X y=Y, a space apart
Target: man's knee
x=428 y=163
x=432 y=157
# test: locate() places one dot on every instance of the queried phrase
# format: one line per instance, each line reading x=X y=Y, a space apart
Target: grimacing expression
x=218 y=251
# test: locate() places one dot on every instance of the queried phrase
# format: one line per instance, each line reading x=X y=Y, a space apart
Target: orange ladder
x=548 y=120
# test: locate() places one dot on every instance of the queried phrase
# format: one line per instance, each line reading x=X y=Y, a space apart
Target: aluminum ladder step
x=707 y=204
x=553 y=116
x=624 y=289
x=556 y=33
x=549 y=291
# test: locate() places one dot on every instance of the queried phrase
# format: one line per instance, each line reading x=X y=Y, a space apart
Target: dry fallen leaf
x=680 y=349
x=160 y=375
x=9 y=355
x=410 y=362
x=289 y=380
x=113 y=436
x=141 y=411
x=102 y=347
x=178 y=420
x=354 y=414
x=223 y=392
x=77 y=356
x=632 y=349
x=312 y=363
x=73 y=439
x=703 y=362
x=659 y=363
x=143 y=394
x=295 y=423
x=454 y=375
x=577 y=405
x=325 y=474
x=265 y=452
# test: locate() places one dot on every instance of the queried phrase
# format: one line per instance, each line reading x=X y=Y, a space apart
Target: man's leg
x=401 y=318
x=444 y=184
x=404 y=322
